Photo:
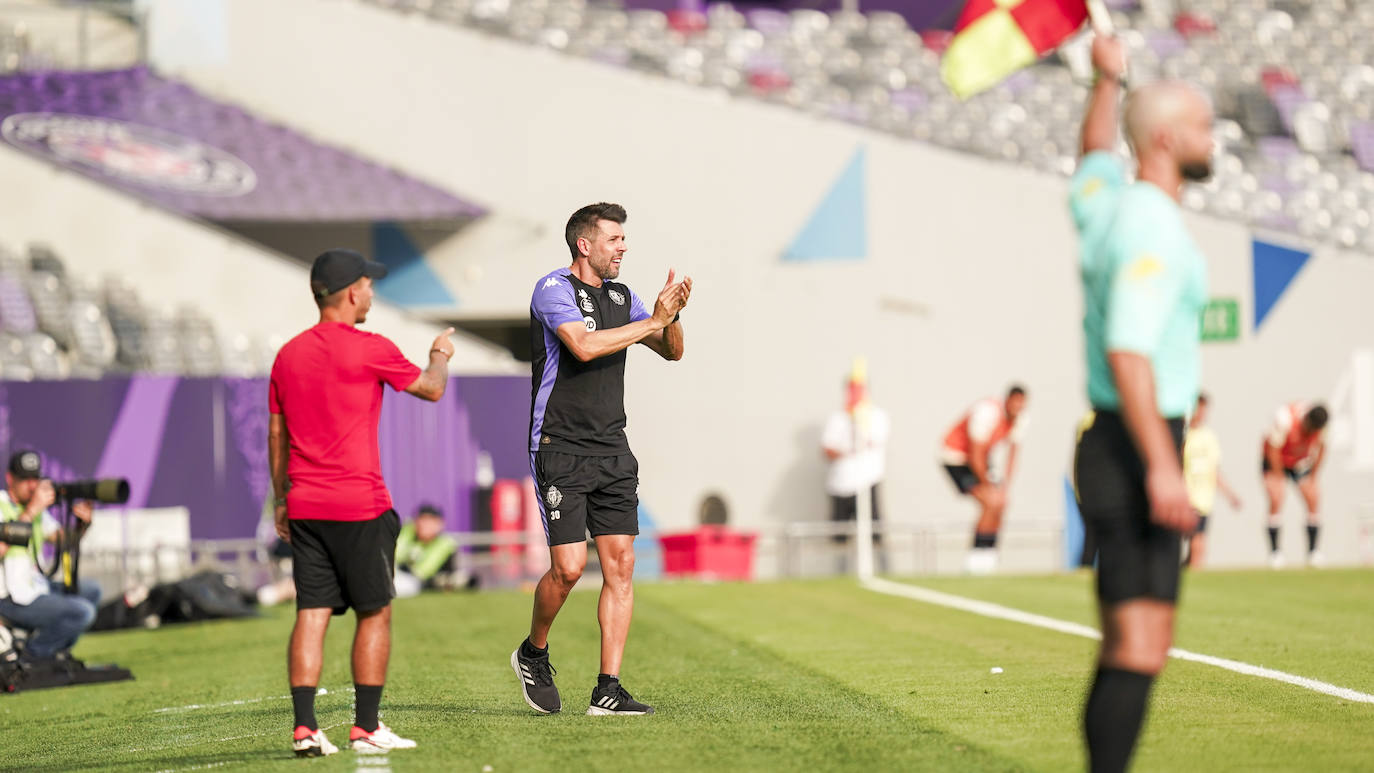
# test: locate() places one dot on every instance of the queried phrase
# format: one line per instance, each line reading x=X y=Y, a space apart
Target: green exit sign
x=1221 y=320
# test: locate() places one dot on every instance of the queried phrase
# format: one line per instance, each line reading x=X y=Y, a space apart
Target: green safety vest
x=10 y=511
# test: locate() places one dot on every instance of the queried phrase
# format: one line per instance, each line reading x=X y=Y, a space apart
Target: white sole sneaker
x=316 y=745
x=381 y=742
x=597 y=711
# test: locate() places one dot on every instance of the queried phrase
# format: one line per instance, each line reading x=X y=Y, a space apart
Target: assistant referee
x=1144 y=287
x=331 y=504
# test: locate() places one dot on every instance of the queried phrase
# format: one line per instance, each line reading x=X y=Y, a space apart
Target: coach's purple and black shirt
x=578 y=407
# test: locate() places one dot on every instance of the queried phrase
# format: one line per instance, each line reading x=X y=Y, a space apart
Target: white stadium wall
x=968 y=282
x=174 y=261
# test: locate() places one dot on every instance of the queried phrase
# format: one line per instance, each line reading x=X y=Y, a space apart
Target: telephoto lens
x=107 y=491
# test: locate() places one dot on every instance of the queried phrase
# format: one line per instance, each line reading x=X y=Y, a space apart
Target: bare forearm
x=1100 y=122
x=673 y=342
x=668 y=343
x=1136 y=384
x=1011 y=466
x=433 y=379
x=587 y=346
x=277 y=455
x=1275 y=458
x=1226 y=488
x=978 y=462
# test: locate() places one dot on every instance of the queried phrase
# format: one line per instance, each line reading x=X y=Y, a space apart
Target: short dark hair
x=1317 y=417
x=428 y=510
x=1202 y=398
x=1016 y=389
x=584 y=221
x=325 y=299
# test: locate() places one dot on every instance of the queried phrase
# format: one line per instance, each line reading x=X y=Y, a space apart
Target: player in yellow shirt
x=1202 y=475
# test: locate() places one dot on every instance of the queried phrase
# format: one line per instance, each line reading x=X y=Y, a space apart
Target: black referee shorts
x=1136 y=558
x=586 y=494
x=342 y=564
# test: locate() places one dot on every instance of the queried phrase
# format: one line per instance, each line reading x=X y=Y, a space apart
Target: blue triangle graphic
x=838 y=229
x=1273 y=270
x=409 y=280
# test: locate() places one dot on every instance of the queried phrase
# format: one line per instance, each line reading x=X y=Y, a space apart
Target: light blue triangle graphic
x=838 y=228
x=1273 y=270
x=409 y=280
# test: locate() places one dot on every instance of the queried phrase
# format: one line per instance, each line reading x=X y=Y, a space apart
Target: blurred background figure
x=425 y=554
x=1202 y=475
x=1294 y=449
x=855 y=444
x=967 y=455
x=28 y=599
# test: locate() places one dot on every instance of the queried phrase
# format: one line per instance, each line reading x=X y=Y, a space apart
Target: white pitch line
x=988 y=609
x=243 y=702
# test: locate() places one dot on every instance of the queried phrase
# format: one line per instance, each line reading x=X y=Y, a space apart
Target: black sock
x=604 y=679
x=530 y=651
x=1273 y=539
x=366 y=699
x=1312 y=530
x=1113 y=716
x=303 y=702
x=985 y=540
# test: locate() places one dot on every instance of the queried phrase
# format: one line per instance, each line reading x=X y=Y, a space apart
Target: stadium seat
x=1277 y=69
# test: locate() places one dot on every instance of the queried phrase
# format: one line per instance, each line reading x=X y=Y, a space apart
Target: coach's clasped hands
x=672 y=298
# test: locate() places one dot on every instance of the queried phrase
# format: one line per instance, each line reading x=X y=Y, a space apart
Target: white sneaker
x=312 y=745
x=1276 y=560
x=1316 y=560
x=379 y=741
x=981 y=561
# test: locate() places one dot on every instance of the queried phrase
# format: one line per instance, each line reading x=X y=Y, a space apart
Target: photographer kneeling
x=28 y=599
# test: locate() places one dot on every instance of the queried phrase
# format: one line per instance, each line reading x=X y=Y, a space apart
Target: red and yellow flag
x=995 y=38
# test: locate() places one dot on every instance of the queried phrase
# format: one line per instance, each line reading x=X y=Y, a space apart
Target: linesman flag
x=995 y=38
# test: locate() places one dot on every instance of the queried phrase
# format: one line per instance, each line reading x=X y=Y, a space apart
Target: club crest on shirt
x=586 y=302
x=553 y=496
x=591 y=324
x=617 y=298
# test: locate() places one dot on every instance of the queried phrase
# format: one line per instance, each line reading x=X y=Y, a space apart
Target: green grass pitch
x=814 y=676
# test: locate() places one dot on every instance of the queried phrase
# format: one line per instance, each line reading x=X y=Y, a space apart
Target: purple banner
x=201 y=443
x=165 y=142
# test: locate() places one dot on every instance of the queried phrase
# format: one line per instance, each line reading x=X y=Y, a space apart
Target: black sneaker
x=614 y=700
x=536 y=682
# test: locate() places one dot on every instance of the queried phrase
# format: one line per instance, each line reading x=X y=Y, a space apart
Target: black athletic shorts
x=1201 y=523
x=1294 y=474
x=1136 y=558
x=342 y=564
x=963 y=477
x=586 y=494
x=847 y=509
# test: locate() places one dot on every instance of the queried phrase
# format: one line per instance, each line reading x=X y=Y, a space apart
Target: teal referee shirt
x=1144 y=283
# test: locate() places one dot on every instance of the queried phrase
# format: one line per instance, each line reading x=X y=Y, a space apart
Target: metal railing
x=505 y=559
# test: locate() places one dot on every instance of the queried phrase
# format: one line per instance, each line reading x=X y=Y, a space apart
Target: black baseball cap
x=336 y=269
x=26 y=465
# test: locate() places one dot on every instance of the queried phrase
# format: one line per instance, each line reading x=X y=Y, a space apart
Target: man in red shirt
x=1293 y=449
x=331 y=503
